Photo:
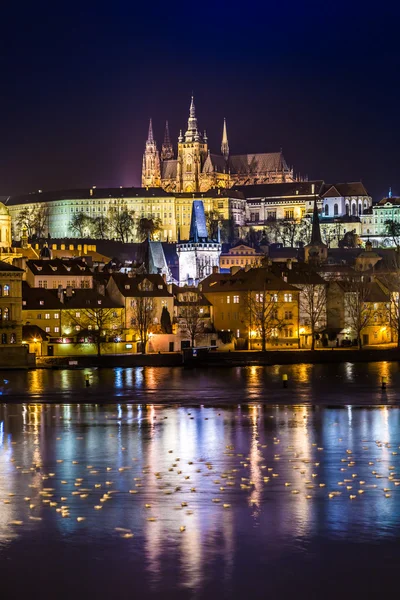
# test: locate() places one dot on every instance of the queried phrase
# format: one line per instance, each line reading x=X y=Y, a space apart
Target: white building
x=199 y=256
x=374 y=222
x=345 y=199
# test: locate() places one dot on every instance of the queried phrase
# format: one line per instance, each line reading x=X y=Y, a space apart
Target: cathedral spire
x=150 y=137
x=192 y=134
x=224 y=144
x=167 y=151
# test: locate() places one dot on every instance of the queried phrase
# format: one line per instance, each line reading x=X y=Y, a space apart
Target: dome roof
x=4 y=210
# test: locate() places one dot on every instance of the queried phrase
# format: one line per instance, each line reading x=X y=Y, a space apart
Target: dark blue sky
x=79 y=82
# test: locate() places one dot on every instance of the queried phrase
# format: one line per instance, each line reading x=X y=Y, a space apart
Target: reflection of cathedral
x=197 y=170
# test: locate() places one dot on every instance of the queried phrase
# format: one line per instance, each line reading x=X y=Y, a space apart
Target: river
x=229 y=496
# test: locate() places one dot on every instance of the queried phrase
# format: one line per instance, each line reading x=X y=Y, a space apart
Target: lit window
x=77 y=315
x=6 y=314
x=6 y=290
x=201 y=310
x=47 y=316
x=228 y=299
x=56 y=315
x=235 y=299
x=47 y=329
x=41 y=302
x=259 y=297
x=287 y=297
x=56 y=329
x=98 y=301
x=274 y=297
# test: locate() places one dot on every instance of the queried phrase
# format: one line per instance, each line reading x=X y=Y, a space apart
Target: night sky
x=81 y=79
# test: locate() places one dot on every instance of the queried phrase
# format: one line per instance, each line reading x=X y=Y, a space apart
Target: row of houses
x=63 y=307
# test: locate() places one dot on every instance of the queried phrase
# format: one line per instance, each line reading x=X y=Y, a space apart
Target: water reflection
x=201 y=489
x=355 y=383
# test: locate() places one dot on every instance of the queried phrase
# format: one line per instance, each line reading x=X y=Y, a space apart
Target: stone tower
x=151 y=174
x=5 y=227
x=192 y=152
x=167 y=150
x=199 y=256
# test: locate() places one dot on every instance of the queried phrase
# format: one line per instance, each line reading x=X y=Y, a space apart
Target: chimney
x=69 y=291
x=215 y=269
x=164 y=276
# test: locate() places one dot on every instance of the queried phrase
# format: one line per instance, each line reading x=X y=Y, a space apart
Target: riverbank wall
x=219 y=359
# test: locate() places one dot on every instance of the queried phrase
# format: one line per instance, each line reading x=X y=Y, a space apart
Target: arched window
x=6 y=290
x=6 y=314
x=335 y=210
x=354 y=209
x=1 y=314
x=326 y=210
x=347 y=210
x=13 y=338
x=4 y=338
x=360 y=208
x=1 y=290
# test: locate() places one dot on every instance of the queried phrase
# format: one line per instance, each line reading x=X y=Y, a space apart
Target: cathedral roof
x=169 y=169
x=257 y=163
x=215 y=162
x=198 y=225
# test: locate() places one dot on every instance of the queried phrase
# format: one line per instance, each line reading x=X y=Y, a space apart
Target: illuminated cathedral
x=196 y=169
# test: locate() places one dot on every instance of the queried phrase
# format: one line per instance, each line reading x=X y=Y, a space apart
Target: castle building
x=199 y=256
x=196 y=169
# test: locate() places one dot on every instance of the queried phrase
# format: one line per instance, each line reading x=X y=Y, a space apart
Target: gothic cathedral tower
x=151 y=174
x=192 y=152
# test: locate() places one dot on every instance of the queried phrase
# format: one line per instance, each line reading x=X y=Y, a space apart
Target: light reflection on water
x=347 y=383
x=235 y=452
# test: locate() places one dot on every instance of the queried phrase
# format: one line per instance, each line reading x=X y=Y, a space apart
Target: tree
x=143 y=319
x=192 y=321
x=313 y=304
x=393 y=231
x=79 y=224
x=95 y=322
x=359 y=313
x=214 y=219
x=101 y=227
x=262 y=315
x=389 y=281
x=148 y=228
x=35 y=218
x=166 y=325
x=122 y=221
x=288 y=232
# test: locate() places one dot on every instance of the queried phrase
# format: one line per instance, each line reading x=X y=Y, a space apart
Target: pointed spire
x=167 y=150
x=150 y=137
x=192 y=133
x=316 y=230
x=224 y=144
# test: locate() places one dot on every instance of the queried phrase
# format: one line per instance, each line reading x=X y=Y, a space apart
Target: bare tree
x=101 y=227
x=313 y=305
x=143 y=319
x=122 y=221
x=389 y=281
x=191 y=321
x=359 y=312
x=214 y=219
x=262 y=313
x=80 y=223
x=35 y=219
x=95 y=322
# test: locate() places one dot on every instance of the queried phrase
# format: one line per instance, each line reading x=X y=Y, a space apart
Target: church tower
x=316 y=251
x=151 y=174
x=192 y=152
x=167 y=151
x=224 y=144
